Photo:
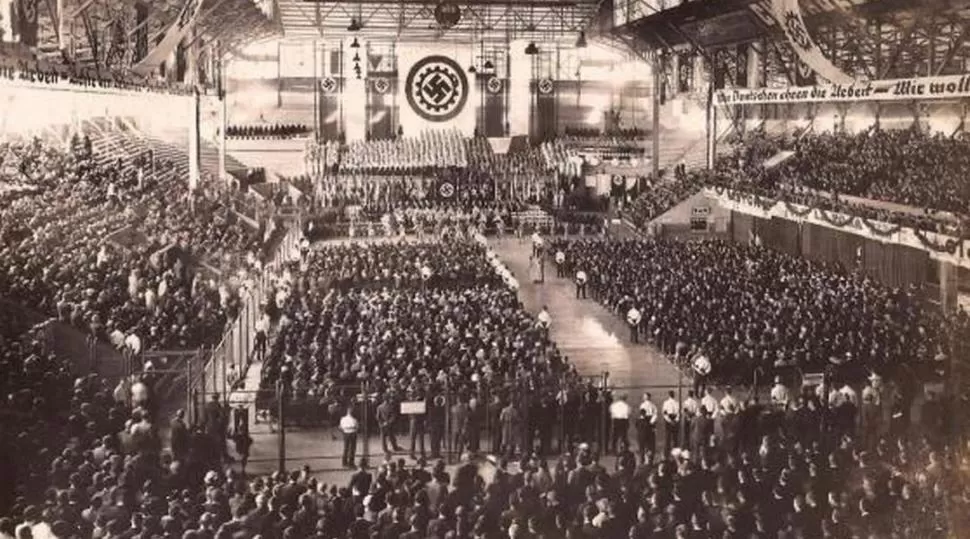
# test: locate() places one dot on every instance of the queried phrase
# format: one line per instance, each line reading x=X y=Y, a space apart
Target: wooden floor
x=594 y=338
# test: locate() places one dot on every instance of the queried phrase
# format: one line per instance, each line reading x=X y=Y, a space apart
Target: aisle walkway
x=593 y=337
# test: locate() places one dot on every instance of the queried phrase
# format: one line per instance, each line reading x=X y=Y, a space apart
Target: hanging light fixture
x=581 y=40
x=489 y=66
x=354 y=25
x=531 y=49
x=356 y=56
x=355 y=44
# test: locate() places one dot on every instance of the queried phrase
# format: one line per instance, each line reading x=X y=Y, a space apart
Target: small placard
x=813 y=378
x=700 y=211
x=414 y=408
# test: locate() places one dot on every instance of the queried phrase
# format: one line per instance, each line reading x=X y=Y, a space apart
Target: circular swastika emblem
x=446 y=190
x=329 y=85
x=545 y=86
x=494 y=85
x=381 y=85
x=437 y=88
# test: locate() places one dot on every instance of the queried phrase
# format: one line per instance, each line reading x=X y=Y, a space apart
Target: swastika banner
x=435 y=89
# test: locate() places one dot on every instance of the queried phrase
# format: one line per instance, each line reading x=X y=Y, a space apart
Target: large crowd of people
x=413 y=321
x=118 y=255
x=908 y=167
x=425 y=152
x=752 y=309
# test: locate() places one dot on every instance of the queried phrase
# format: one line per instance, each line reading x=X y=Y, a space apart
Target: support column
x=223 y=140
x=656 y=114
x=711 y=129
x=194 y=163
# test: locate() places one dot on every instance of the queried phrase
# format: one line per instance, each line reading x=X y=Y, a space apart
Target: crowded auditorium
x=466 y=269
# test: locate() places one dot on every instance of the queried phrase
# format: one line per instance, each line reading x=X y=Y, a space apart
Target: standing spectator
x=509 y=421
x=633 y=318
x=385 y=422
x=646 y=427
x=671 y=412
x=620 y=415
x=581 y=280
x=179 y=436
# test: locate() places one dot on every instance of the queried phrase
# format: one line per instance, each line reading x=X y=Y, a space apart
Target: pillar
x=194 y=142
x=656 y=112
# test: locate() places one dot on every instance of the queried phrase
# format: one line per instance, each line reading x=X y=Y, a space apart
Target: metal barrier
x=224 y=367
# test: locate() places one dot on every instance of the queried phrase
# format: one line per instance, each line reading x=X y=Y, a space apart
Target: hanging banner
x=789 y=16
x=28 y=22
x=545 y=115
x=173 y=36
x=919 y=88
x=495 y=107
x=437 y=93
x=685 y=72
x=741 y=77
x=804 y=75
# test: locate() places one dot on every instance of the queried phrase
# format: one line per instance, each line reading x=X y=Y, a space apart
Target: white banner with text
x=915 y=89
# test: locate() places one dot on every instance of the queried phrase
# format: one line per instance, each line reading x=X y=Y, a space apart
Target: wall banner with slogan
x=914 y=89
x=437 y=93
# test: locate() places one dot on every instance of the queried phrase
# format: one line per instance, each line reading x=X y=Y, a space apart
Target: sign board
x=813 y=379
x=700 y=211
x=414 y=408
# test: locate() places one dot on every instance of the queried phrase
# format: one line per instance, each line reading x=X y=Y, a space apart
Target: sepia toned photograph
x=484 y=269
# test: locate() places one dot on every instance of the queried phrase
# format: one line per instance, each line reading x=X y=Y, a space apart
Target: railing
x=228 y=362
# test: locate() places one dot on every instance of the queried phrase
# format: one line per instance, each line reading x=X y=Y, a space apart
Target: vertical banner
x=330 y=87
x=545 y=115
x=685 y=73
x=141 y=34
x=380 y=108
x=436 y=93
x=717 y=64
x=354 y=96
x=741 y=77
x=495 y=89
x=27 y=21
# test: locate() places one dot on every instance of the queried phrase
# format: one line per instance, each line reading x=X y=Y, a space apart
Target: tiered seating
x=62 y=257
x=903 y=167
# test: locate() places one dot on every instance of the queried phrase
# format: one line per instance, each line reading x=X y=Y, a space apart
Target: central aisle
x=593 y=337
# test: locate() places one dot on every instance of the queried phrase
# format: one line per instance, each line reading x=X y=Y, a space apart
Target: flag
x=446 y=190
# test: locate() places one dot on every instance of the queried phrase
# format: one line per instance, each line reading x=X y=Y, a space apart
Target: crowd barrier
x=226 y=365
